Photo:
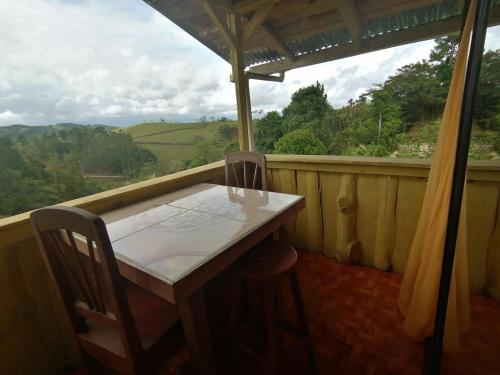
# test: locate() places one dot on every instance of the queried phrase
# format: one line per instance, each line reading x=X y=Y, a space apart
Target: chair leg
x=271 y=355
x=299 y=306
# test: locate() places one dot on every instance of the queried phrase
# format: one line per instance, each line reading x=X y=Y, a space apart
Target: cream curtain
x=419 y=290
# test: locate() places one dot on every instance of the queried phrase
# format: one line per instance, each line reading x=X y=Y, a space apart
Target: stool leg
x=299 y=306
x=271 y=355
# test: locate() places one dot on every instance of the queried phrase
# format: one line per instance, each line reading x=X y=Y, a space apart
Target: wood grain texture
x=330 y=187
x=493 y=260
x=386 y=222
x=34 y=334
x=368 y=192
x=409 y=203
x=348 y=248
x=28 y=301
x=32 y=322
x=309 y=226
x=285 y=181
x=482 y=201
x=389 y=198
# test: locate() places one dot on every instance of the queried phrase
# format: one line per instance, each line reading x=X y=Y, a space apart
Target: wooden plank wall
x=361 y=210
x=34 y=336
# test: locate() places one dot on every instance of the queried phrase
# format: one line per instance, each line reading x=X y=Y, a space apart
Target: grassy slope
x=481 y=146
x=173 y=144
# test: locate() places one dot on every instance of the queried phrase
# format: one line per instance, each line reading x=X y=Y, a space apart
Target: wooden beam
x=226 y=5
x=248 y=6
x=241 y=86
x=266 y=77
x=255 y=22
x=276 y=42
x=289 y=12
x=352 y=19
x=393 y=39
x=331 y=19
x=220 y=21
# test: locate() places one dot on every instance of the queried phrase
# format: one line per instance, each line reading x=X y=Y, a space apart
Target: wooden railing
x=357 y=209
x=366 y=210
x=34 y=337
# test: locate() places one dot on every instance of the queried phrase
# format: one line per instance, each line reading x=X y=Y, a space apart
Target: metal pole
x=432 y=365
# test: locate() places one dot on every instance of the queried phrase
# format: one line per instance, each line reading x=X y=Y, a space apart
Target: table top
x=171 y=235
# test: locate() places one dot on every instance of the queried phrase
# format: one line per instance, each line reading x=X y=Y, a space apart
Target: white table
x=174 y=244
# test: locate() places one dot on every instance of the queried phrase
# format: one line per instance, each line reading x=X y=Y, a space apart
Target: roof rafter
x=256 y=21
x=212 y=7
x=397 y=38
x=277 y=43
x=333 y=20
x=352 y=18
x=249 y=6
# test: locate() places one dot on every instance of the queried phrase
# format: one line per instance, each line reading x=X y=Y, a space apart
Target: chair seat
x=267 y=260
x=153 y=317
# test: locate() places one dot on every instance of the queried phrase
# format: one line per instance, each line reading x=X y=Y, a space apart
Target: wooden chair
x=120 y=325
x=242 y=170
x=265 y=265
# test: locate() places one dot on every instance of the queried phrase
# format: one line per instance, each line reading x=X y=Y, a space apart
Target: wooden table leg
x=193 y=311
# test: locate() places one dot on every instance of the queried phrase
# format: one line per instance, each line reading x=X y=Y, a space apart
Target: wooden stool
x=264 y=266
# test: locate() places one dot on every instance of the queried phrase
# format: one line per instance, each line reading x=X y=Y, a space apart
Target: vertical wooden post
x=348 y=247
x=241 y=86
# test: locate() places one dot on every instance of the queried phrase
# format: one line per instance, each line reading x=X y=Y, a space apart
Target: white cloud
x=119 y=61
x=9 y=117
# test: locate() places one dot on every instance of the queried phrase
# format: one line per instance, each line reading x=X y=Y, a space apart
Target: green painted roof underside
x=383 y=25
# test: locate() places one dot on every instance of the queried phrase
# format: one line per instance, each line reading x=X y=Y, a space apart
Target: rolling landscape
x=175 y=144
x=43 y=165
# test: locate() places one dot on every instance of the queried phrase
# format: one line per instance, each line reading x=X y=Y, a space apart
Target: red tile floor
x=356 y=326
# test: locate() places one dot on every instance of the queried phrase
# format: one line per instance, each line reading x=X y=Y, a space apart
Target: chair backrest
x=247 y=170
x=78 y=253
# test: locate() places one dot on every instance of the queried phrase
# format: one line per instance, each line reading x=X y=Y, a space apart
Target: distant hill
x=174 y=143
x=27 y=130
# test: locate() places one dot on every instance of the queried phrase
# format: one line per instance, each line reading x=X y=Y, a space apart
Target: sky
x=119 y=62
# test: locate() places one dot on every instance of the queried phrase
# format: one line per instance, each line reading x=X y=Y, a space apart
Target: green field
x=174 y=143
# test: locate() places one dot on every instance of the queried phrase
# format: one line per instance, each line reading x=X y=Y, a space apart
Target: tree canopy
x=375 y=122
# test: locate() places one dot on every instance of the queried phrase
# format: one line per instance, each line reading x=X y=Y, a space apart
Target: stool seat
x=270 y=259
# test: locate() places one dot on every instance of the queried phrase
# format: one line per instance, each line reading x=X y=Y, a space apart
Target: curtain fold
x=420 y=287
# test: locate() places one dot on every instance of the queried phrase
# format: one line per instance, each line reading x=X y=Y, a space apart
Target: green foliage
x=28 y=184
x=150 y=169
x=496 y=142
x=300 y=142
x=487 y=106
x=204 y=153
x=226 y=132
x=267 y=131
x=96 y=150
x=421 y=143
x=174 y=144
x=308 y=109
x=232 y=147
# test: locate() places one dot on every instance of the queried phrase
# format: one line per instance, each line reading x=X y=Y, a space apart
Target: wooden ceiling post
x=241 y=85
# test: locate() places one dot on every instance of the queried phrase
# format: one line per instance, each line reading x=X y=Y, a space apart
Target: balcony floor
x=356 y=326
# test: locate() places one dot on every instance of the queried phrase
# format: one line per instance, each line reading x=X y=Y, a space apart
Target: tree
x=308 y=109
x=226 y=132
x=267 y=131
x=487 y=105
x=300 y=142
x=204 y=153
x=417 y=91
x=443 y=57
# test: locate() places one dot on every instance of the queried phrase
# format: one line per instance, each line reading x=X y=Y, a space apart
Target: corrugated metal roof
x=370 y=28
x=322 y=29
